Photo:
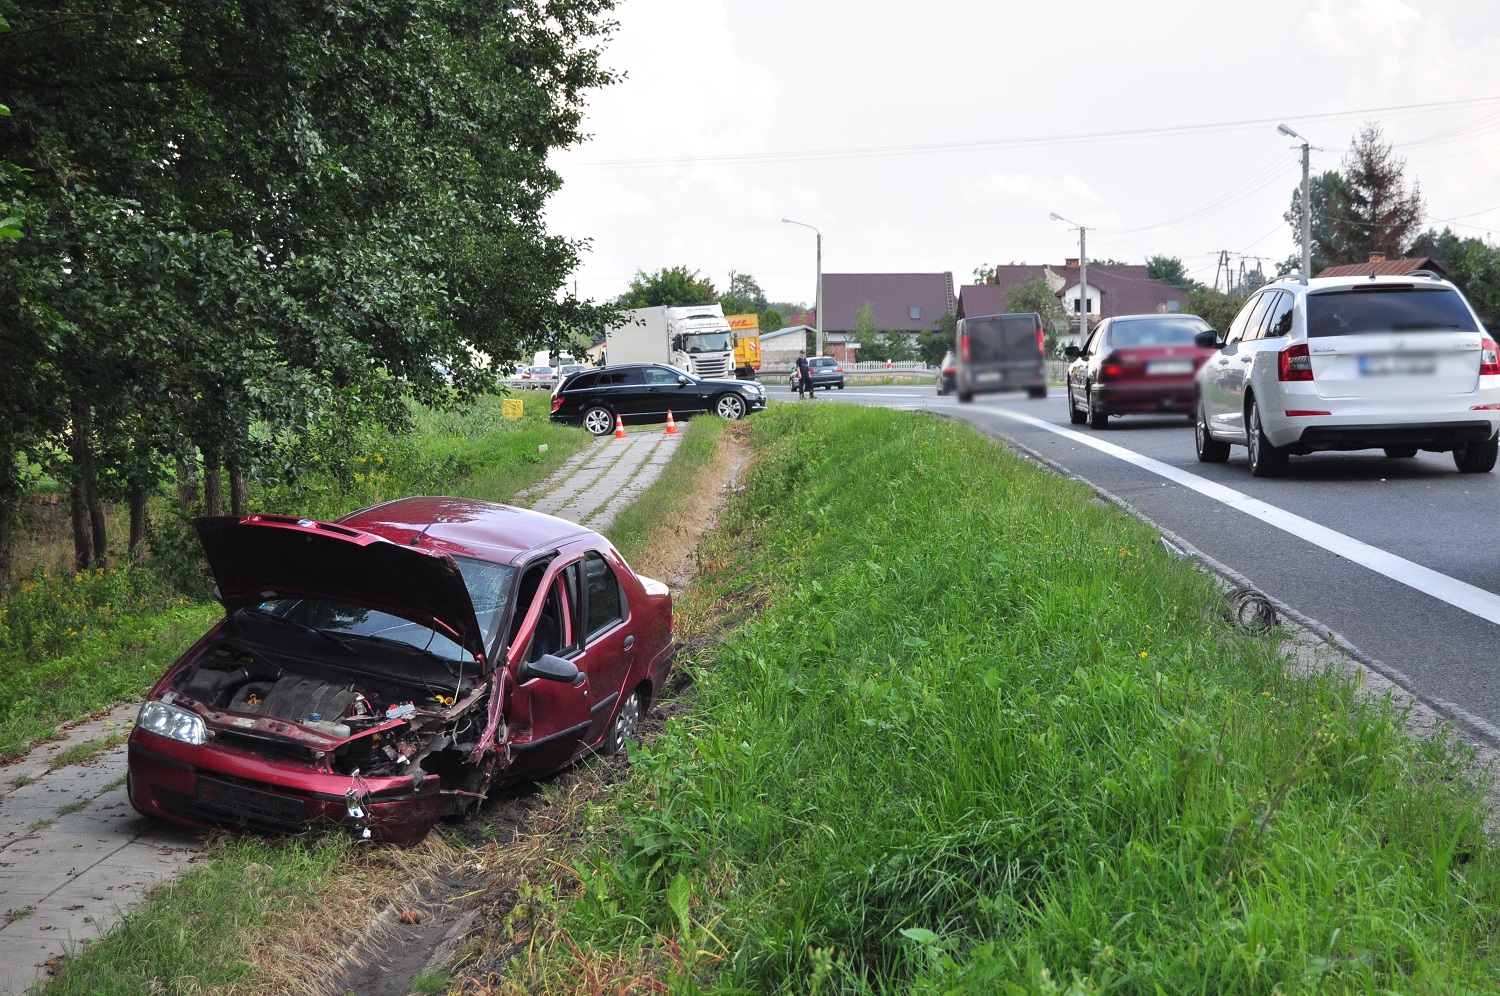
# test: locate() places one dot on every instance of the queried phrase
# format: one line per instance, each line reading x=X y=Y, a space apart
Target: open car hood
x=259 y=557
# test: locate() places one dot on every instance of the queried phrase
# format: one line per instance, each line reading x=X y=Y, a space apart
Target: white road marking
x=1459 y=594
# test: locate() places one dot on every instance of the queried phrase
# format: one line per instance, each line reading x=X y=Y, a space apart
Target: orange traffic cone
x=620 y=427
x=671 y=426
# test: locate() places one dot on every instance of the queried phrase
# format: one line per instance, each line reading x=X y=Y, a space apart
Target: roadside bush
x=987 y=736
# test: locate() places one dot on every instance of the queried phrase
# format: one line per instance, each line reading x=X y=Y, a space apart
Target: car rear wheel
x=730 y=406
x=1097 y=417
x=1075 y=416
x=1400 y=452
x=599 y=421
x=1265 y=460
x=1036 y=392
x=965 y=397
x=627 y=721
x=1210 y=450
x=1477 y=458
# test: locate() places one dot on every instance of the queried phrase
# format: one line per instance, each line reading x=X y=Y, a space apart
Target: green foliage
x=668 y=287
x=771 y=321
x=985 y=735
x=1214 y=307
x=1169 y=270
x=933 y=346
x=744 y=296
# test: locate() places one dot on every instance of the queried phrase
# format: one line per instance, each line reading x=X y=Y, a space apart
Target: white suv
x=1351 y=363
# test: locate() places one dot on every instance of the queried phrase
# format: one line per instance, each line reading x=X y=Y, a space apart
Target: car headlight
x=173 y=722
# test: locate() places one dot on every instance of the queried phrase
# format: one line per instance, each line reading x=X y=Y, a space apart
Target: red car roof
x=465 y=526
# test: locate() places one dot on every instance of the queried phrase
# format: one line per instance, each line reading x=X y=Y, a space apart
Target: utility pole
x=818 y=298
x=1306 y=203
x=1083 y=276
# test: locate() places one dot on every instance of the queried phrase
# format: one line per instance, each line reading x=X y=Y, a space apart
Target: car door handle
x=1223 y=363
x=1246 y=359
x=629 y=642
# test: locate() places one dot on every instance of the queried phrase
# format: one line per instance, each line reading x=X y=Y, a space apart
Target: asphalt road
x=1398 y=556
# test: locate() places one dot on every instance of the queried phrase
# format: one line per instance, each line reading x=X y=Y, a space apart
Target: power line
x=879 y=151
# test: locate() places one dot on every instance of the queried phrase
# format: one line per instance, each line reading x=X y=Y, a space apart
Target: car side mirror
x=1208 y=339
x=682 y=380
x=1072 y=352
x=549 y=667
x=677 y=343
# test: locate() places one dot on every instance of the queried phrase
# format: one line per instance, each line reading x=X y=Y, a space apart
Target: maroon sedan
x=1142 y=364
x=387 y=669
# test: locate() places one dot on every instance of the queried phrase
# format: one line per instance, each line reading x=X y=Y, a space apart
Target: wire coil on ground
x=1249 y=609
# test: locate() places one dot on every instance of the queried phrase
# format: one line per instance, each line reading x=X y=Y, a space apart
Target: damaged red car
x=388 y=669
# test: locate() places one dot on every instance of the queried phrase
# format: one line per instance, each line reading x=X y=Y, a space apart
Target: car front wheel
x=1265 y=460
x=599 y=421
x=730 y=406
x=627 y=721
x=1477 y=458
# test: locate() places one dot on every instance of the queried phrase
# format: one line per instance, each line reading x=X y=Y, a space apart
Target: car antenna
x=417 y=539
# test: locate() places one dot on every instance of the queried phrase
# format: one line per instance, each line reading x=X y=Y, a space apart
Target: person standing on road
x=804 y=376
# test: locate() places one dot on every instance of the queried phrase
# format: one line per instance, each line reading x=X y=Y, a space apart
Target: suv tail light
x=1294 y=363
x=1041 y=342
x=1489 y=358
x=556 y=402
x=963 y=346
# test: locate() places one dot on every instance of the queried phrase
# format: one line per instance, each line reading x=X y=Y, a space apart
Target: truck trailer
x=696 y=339
x=746 y=345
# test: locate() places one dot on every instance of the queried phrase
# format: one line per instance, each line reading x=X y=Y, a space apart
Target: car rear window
x=583 y=382
x=1155 y=333
x=1387 y=309
x=1001 y=338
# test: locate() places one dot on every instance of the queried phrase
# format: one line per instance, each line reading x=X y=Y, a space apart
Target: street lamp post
x=818 y=292
x=1083 y=277
x=1306 y=204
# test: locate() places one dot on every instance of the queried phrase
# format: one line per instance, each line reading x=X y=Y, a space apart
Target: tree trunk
x=213 y=483
x=239 y=490
x=80 y=487
x=7 y=537
x=137 y=524
x=187 y=486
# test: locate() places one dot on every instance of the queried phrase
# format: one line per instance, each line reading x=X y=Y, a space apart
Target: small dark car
x=825 y=372
x=644 y=392
x=379 y=672
x=1001 y=353
x=947 y=375
x=1143 y=364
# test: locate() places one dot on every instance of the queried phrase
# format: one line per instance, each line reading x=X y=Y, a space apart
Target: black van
x=1001 y=353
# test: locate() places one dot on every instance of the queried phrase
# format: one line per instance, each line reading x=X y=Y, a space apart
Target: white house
x=780 y=348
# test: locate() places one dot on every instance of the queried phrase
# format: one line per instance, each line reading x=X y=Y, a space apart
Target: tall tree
x=1035 y=295
x=1169 y=270
x=670 y=286
x=744 y=295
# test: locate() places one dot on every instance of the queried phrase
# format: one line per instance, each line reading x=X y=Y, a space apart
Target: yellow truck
x=746 y=331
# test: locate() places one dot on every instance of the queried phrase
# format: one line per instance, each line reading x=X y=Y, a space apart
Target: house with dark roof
x=899 y=302
x=1113 y=290
x=1379 y=266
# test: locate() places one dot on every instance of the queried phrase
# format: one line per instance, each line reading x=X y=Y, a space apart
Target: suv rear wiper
x=1409 y=326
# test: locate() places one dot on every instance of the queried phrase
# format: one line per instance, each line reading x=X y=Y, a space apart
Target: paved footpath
x=74 y=854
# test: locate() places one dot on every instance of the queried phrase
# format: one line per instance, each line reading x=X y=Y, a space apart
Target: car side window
x=551 y=635
x=584 y=382
x=1091 y=345
x=619 y=378
x=1279 y=318
x=1240 y=327
x=605 y=604
x=572 y=584
x=661 y=377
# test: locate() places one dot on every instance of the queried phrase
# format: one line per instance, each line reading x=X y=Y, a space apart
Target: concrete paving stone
x=23 y=959
x=37 y=761
x=28 y=887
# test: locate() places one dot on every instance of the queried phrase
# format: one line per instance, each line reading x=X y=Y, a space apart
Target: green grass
x=187 y=938
x=431 y=982
x=987 y=736
x=82 y=753
x=632 y=530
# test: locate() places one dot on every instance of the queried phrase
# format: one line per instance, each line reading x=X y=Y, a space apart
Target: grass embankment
x=638 y=531
x=986 y=736
x=72 y=645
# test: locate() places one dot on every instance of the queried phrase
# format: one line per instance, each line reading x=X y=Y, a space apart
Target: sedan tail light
x=1489 y=358
x=838 y=368
x=1110 y=365
x=1294 y=363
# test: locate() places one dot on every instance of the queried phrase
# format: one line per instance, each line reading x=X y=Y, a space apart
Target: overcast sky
x=836 y=112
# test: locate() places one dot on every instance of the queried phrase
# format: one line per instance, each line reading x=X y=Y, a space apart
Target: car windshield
x=489 y=587
x=707 y=342
x=1155 y=333
x=1387 y=308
